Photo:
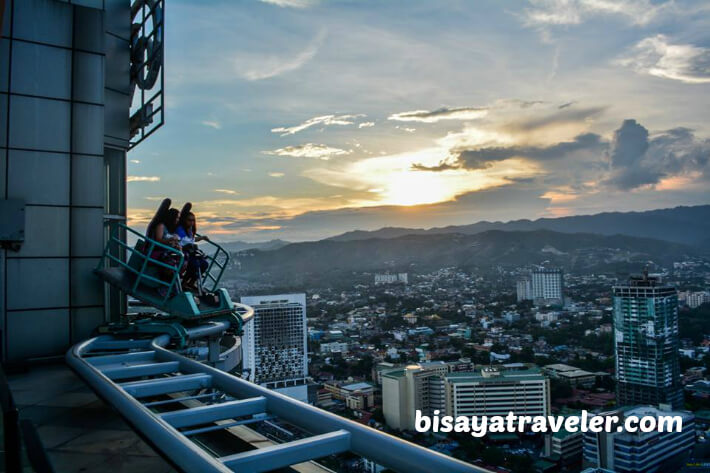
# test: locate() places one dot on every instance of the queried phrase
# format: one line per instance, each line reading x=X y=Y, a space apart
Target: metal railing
x=142 y=253
x=217 y=263
x=147 y=62
x=149 y=370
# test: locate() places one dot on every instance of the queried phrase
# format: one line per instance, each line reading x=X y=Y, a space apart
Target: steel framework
x=131 y=374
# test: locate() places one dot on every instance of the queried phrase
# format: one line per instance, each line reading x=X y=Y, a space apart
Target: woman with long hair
x=162 y=228
x=196 y=261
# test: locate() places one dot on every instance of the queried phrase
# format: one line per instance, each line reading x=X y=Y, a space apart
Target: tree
x=560 y=389
x=493 y=456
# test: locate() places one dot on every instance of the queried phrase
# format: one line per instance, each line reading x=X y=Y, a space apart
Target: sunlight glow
x=392 y=181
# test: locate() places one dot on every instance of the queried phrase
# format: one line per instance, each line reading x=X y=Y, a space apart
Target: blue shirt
x=186 y=237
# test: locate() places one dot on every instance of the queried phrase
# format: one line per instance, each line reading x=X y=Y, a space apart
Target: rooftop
x=560 y=367
x=79 y=431
x=393 y=374
x=531 y=374
x=357 y=386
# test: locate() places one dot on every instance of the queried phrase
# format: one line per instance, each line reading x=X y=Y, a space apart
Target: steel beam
x=285 y=454
x=157 y=387
x=120 y=344
x=133 y=357
x=181 y=399
x=184 y=455
x=115 y=372
x=214 y=412
x=384 y=449
x=226 y=425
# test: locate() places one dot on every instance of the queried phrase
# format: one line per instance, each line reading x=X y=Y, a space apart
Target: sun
x=416 y=188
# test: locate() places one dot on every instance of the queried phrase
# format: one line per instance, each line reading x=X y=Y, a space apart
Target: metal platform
x=140 y=378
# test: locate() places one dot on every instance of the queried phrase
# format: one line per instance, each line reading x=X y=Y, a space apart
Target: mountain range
x=617 y=242
x=688 y=225
x=235 y=246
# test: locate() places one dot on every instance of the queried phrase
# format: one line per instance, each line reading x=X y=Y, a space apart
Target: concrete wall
x=64 y=78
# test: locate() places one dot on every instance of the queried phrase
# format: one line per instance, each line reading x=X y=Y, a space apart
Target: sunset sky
x=302 y=119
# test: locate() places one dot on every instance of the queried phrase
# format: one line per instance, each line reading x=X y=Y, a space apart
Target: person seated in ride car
x=163 y=230
x=196 y=261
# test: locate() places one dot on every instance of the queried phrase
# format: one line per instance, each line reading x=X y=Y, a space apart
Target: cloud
x=317 y=219
x=637 y=160
x=566 y=115
x=565 y=105
x=442 y=166
x=626 y=158
x=585 y=142
x=407 y=129
x=656 y=56
x=226 y=191
x=291 y=3
x=324 y=120
x=309 y=150
x=272 y=66
x=366 y=124
x=276 y=174
x=391 y=179
x=212 y=124
x=574 y=12
x=561 y=195
x=142 y=179
x=484 y=157
x=434 y=116
x=134 y=161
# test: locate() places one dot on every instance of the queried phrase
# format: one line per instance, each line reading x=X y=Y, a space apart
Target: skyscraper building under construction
x=646 y=342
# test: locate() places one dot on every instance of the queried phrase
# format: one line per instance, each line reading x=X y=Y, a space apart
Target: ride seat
x=136 y=261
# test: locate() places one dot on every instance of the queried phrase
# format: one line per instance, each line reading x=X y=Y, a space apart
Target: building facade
x=572 y=375
x=416 y=387
x=646 y=343
x=430 y=387
x=626 y=452
x=694 y=299
x=498 y=392
x=274 y=343
x=66 y=92
x=523 y=290
x=547 y=286
x=564 y=446
x=388 y=278
x=334 y=347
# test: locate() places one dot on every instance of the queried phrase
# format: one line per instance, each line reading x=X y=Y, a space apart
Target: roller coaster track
x=141 y=378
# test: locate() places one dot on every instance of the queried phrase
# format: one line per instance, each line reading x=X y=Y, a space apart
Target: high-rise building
x=433 y=386
x=694 y=299
x=70 y=108
x=547 y=286
x=565 y=446
x=646 y=343
x=523 y=289
x=626 y=452
x=416 y=387
x=389 y=278
x=498 y=392
x=274 y=343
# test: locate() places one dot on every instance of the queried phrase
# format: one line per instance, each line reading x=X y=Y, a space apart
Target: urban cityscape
x=324 y=236
x=531 y=340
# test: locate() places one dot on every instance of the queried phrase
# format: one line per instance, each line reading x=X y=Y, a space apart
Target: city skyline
x=132 y=338
x=304 y=119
